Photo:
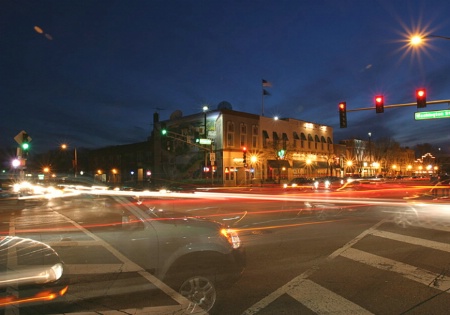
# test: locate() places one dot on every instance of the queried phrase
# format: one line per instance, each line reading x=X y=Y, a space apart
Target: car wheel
x=200 y=291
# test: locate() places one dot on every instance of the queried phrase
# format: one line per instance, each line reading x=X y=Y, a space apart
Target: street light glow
x=416 y=40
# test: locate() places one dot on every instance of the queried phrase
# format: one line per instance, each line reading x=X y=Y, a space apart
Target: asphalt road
x=329 y=255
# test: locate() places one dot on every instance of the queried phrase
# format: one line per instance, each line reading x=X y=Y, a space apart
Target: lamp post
x=370 y=153
x=205 y=109
x=416 y=40
x=75 y=158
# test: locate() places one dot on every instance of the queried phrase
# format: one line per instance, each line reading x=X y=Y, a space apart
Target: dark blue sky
x=100 y=69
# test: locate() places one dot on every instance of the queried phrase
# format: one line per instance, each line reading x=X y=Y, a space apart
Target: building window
x=255 y=131
x=243 y=129
x=230 y=134
x=230 y=139
x=243 y=140
x=265 y=136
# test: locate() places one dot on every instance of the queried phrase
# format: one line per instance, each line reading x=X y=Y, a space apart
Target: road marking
x=297 y=281
x=413 y=240
x=183 y=304
x=408 y=271
x=323 y=301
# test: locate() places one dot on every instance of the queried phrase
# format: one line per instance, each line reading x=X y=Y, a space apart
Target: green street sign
x=435 y=114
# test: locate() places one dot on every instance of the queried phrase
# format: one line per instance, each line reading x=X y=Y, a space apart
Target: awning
x=265 y=134
x=322 y=139
x=285 y=137
x=321 y=165
x=278 y=163
x=302 y=164
x=303 y=137
x=295 y=135
x=317 y=138
x=329 y=140
x=310 y=138
x=275 y=136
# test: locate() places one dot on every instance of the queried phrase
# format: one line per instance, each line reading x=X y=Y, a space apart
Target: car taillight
x=232 y=237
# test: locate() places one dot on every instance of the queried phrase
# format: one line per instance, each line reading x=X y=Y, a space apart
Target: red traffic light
x=379 y=104
x=421 y=96
x=244 y=149
x=342 y=114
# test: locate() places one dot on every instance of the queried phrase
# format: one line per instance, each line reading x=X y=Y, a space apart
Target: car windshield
x=224 y=157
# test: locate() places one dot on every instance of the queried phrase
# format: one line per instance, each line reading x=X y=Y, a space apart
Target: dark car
x=194 y=256
x=300 y=183
x=31 y=267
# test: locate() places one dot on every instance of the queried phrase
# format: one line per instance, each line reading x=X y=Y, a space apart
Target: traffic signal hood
x=244 y=155
x=379 y=104
x=25 y=142
x=163 y=129
x=197 y=137
x=421 y=96
x=343 y=114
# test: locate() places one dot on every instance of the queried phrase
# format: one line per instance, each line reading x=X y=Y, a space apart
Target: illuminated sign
x=435 y=114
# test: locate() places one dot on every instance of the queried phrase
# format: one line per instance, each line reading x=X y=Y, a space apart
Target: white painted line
x=323 y=301
x=291 y=285
x=184 y=302
x=407 y=271
x=445 y=247
x=155 y=310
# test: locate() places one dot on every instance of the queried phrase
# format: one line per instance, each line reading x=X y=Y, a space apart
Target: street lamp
x=370 y=153
x=416 y=40
x=205 y=109
x=75 y=158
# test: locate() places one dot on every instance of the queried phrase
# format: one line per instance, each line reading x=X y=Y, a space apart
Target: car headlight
x=51 y=274
x=232 y=237
x=316 y=185
x=327 y=184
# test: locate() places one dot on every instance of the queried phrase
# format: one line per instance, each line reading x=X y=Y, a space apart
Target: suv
x=194 y=256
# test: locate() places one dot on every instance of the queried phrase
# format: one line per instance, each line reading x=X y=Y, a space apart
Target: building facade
x=237 y=148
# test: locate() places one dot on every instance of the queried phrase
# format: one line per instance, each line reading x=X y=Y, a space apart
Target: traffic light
x=25 y=142
x=197 y=137
x=343 y=114
x=244 y=155
x=379 y=104
x=281 y=154
x=421 y=96
x=163 y=129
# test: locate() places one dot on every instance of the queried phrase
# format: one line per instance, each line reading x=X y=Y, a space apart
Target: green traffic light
x=164 y=132
x=25 y=146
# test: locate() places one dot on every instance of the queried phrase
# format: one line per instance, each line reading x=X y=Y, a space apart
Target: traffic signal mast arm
x=400 y=105
x=183 y=138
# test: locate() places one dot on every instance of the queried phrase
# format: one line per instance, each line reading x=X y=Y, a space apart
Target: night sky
x=92 y=73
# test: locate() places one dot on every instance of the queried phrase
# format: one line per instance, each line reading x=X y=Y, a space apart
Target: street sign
x=205 y=141
x=19 y=137
x=435 y=114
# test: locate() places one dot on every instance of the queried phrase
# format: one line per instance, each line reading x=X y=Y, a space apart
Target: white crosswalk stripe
x=323 y=301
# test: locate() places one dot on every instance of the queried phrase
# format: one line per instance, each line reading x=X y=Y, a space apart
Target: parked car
x=194 y=256
x=33 y=268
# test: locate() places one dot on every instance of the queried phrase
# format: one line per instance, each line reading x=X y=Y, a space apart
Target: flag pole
x=262 y=102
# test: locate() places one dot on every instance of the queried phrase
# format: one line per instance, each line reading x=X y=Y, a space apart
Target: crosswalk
x=309 y=290
x=103 y=278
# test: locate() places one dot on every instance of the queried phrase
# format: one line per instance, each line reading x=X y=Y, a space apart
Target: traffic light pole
x=400 y=105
